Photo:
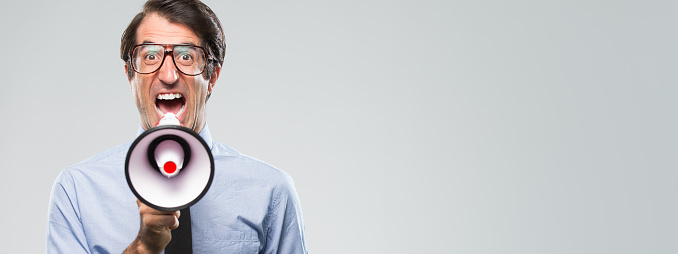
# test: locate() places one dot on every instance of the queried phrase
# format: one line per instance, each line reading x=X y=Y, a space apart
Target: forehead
x=157 y=29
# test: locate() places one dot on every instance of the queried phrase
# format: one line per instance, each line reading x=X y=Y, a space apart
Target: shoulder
x=111 y=155
x=249 y=168
x=91 y=177
x=106 y=162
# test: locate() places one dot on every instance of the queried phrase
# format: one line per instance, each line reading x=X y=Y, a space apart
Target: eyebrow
x=151 y=42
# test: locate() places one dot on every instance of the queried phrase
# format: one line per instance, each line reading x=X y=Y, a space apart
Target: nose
x=168 y=72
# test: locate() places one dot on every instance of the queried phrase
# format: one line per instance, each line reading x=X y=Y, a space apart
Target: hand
x=155 y=232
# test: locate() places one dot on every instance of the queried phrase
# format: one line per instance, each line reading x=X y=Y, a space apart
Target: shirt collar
x=205 y=134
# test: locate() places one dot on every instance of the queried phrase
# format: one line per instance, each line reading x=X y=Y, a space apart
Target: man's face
x=168 y=90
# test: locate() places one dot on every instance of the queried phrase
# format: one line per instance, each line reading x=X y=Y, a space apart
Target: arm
x=286 y=228
x=65 y=233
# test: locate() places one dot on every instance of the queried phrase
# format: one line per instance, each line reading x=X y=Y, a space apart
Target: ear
x=213 y=78
x=126 y=75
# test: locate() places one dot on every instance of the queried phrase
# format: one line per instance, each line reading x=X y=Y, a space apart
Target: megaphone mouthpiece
x=169 y=119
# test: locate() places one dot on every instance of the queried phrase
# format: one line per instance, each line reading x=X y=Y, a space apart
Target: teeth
x=169 y=96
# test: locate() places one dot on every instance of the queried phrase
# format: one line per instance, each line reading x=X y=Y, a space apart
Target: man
x=173 y=53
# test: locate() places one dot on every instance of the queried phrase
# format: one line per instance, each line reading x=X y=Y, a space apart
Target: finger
x=175 y=225
x=161 y=221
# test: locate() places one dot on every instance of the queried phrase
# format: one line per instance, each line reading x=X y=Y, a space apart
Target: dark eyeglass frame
x=168 y=52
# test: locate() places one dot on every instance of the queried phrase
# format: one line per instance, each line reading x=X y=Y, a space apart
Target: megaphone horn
x=169 y=167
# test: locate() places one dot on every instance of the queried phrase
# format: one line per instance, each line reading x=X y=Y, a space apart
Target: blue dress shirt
x=251 y=207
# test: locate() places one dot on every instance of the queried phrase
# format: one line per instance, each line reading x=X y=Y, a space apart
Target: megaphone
x=169 y=167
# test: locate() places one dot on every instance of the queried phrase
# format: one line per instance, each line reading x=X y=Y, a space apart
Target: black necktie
x=182 y=241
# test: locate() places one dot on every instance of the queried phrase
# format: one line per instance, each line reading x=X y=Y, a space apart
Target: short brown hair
x=193 y=14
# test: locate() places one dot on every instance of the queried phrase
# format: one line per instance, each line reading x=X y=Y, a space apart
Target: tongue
x=169 y=106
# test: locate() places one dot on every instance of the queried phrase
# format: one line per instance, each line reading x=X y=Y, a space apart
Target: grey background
x=408 y=126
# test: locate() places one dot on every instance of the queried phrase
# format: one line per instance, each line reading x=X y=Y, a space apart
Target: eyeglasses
x=189 y=59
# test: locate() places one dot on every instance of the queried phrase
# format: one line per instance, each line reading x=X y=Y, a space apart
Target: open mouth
x=170 y=103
